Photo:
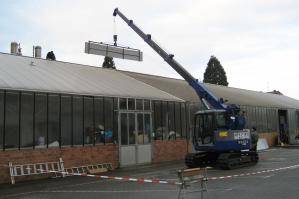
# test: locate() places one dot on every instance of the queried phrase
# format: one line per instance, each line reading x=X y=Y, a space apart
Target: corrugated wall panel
x=292 y=124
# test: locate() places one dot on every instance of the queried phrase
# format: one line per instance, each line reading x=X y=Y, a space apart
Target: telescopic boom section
x=200 y=89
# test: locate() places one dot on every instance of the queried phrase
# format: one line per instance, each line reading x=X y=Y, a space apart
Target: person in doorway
x=51 y=56
x=282 y=134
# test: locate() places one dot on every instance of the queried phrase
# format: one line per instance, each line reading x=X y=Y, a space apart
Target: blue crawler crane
x=218 y=137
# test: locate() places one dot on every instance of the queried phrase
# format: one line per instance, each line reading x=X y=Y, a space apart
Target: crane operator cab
x=218 y=138
x=217 y=130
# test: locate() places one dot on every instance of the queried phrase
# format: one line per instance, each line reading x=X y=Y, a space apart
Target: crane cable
x=114 y=31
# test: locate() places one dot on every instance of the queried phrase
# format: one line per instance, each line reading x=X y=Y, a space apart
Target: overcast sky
x=256 y=41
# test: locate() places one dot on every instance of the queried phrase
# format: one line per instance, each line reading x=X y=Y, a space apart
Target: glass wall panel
x=147 y=128
x=178 y=120
x=27 y=106
x=53 y=121
x=165 y=121
x=115 y=102
x=124 y=128
x=108 y=120
x=89 y=132
x=183 y=120
x=40 y=121
x=153 y=120
x=259 y=119
x=275 y=120
x=192 y=109
x=140 y=128
x=99 y=120
x=158 y=130
x=263 y=119
x=251 y=112
x=171 y=122
x=77 y=120
x=248 y=118
x=12 y=120
x=253 y=117
x=131 y=104
x=66 y=120
x=188 y=120
x=268 y=119
x=1 y=119
x=123 y=104
x=147 y=105
x=262 y=122
x=132 y=131
x=139 y=104
x=115 y=122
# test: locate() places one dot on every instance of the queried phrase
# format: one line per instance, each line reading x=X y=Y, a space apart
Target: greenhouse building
x=86 y=114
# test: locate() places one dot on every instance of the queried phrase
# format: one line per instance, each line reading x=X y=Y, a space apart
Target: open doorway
x=135 y=137
x=283 y=126
x=297 y=128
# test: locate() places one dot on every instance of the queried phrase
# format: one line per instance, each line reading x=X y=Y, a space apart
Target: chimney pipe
x=38 y=52
x=14 y=48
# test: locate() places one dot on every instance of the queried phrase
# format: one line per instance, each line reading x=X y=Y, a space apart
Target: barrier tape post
x=192 y=176
x=62 y=166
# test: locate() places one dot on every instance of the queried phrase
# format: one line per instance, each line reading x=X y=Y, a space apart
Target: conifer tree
x=215 y=73
x=108 y=63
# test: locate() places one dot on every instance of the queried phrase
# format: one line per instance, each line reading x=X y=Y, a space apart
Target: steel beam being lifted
x=99 y=48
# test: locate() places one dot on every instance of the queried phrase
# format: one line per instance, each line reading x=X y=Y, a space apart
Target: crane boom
x=200 y=89
x=226 y=144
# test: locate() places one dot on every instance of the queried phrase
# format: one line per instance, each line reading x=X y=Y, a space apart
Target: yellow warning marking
x=223 y=133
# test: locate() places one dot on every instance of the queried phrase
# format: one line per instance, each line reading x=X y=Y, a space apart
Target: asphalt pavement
x=276 y=176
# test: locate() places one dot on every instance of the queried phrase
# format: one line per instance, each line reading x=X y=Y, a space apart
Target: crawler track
x=229 y=160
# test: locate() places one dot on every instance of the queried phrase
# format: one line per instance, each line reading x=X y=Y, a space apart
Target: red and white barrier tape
x=158 y=181
x=126 y=179
x=253 y=173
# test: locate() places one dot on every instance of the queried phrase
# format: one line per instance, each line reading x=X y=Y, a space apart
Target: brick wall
x=169 y=150
x=72 y=156
x=177 y=149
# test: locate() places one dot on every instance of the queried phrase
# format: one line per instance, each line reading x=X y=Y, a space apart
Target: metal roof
x=32 y=74
x=181 y=89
